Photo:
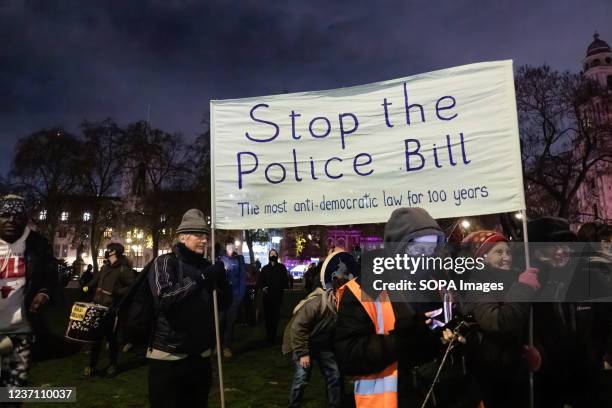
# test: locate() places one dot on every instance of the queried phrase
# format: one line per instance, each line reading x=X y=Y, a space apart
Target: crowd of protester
x=546 y=337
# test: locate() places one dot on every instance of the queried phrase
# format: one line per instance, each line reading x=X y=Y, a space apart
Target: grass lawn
x=257 y=375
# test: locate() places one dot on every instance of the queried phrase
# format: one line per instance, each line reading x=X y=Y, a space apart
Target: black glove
x=414 y=341
x=212 y=276
x=201 y=280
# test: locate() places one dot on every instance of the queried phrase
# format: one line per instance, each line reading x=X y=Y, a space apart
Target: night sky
x=64 y=61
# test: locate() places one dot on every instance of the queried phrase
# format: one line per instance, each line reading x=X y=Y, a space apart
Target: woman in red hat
x=498 y=358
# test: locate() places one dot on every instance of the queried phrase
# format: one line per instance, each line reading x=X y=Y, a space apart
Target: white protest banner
x=446 y=141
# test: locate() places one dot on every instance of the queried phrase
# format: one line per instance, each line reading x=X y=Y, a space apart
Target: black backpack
x=138 y=309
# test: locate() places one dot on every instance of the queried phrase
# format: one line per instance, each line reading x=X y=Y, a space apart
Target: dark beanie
x=550 y=229
x=193 y=222
x=117 y=247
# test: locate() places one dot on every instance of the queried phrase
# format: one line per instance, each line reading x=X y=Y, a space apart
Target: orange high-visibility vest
x=377 y=390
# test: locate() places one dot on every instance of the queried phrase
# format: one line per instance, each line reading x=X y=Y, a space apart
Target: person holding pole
x=183 y=338
x=497 y=355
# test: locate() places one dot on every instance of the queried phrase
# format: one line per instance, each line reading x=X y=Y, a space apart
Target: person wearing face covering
x=380 y=342
x=272 y=283
x=109 y=286
x=497 y=355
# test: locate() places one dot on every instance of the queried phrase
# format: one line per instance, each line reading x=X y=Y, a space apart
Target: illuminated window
x=64 y=216
x=108 y=232
x=86 y=216
x=162 y=218
x=42 y=215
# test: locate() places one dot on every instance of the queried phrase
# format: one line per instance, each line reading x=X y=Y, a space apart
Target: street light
x=465 y=224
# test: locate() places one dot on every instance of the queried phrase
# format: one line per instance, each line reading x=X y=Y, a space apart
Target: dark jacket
x=361 y=351
x=236 y=274
x=112 y=282
x=502 y=316
x=313 y=324
x=182 y=283
x=274 y=277
x=41 y=269
x=565 y=334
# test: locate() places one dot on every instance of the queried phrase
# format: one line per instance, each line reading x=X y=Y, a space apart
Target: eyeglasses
x=201 y=237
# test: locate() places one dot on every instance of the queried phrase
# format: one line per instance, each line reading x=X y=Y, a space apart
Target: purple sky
x=66 y=61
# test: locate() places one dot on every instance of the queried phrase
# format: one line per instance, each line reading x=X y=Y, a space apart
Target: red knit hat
x=483 y=241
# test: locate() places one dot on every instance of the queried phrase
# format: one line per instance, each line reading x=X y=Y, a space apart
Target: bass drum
x=86 y=322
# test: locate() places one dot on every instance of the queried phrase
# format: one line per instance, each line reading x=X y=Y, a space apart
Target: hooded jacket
x=360 y=350
x=406 y=224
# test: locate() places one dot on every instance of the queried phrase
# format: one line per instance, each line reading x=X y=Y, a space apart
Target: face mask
x=273 y=258
x=425 y=245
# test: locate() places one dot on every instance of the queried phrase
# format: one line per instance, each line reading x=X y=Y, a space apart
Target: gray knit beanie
x=193 y=222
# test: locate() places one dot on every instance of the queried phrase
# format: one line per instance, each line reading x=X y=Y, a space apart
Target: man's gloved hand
x=530 y=278
x=533 y=358
x=212 y=276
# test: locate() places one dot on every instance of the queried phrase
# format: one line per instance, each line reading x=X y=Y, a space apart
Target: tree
x=45 y=168
x=100 y=166
x=558 y=143
x=250 y=236
x=158 y=162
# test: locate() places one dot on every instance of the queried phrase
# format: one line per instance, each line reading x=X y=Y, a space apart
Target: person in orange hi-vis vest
x=377 y=341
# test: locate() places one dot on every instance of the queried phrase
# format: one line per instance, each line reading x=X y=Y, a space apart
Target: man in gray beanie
x=183 y=339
